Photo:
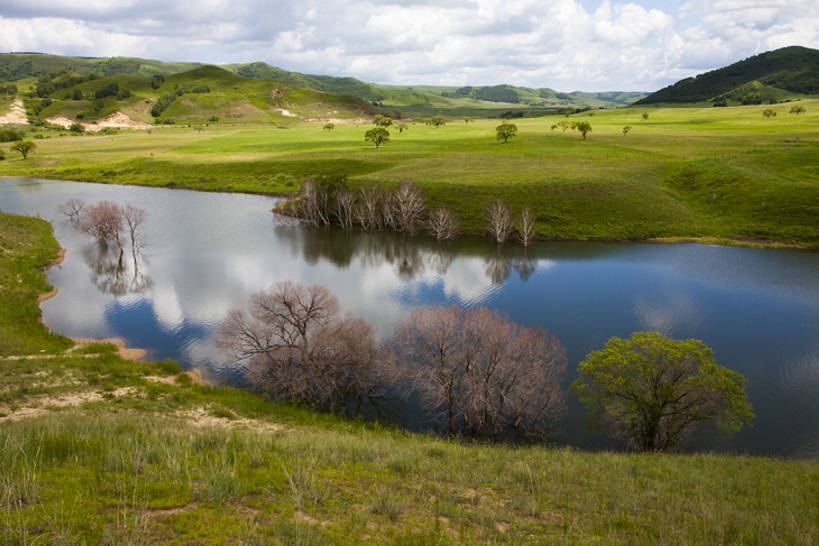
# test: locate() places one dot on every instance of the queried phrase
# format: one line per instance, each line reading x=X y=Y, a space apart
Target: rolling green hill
x=419 y=100
x=766 y=77
x=204 y=94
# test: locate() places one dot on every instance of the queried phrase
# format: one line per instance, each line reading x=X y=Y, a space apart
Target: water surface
x=206 y=253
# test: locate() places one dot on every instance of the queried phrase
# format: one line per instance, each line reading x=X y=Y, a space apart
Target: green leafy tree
x=626 y=130
x=382 y=121
x=436 y=121
x=645 y=115
x=467 y=119
x=402 y=127
x=582 y=126
x=652 y=391
x=24 y=147
x=505 y=131
x=797 y=109
x=329 y=126
x=768 y=113
x=377 y=136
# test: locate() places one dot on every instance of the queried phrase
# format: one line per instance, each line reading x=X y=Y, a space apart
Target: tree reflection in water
x=409 y=256
x=115 y=272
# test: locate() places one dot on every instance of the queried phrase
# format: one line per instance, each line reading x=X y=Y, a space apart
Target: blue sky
x=591 y=45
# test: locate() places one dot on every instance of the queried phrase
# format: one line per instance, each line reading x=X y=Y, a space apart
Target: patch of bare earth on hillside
x=36 y=406
x=116 y=120
x=16 y=114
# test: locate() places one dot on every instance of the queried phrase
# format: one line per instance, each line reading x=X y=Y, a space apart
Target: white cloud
x=561 y=44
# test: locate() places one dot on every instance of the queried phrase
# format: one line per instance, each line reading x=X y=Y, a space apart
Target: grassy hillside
x=17 y=66
x=790 y=70
x=97 y=449
x=203 y=95
x=683 y=172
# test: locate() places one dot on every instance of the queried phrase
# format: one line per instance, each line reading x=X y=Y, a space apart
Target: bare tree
x=72 y=208
x=295 y=345
x=499 y=220
x=368 y=211
x=482 y=374
x=134 y=217
x=388 y=213
x=443 y=223
x=526 y=226
x=408 y=206
x=104 y=221
x=345 y=206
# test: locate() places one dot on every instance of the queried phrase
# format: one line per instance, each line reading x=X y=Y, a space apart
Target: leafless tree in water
x=72 y=208
x=526 y=226
x=443 y=223
x=485 y=375
x=408 y=206
x=368 y=211
x=103 y=221
x=499 y=220
x=345 y=207
x=295 y=345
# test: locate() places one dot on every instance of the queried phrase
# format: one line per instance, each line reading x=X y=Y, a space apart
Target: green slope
x=17 y=66
x=792 y=70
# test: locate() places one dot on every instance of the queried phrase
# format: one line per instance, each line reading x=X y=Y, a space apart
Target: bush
x=11 y=135
x=110 y=90
x=2 y=155
x=123 y=94
x=77 y=128
x=161 y=104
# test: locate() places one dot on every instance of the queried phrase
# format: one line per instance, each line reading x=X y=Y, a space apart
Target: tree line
x=328 y=200
x=477 y=374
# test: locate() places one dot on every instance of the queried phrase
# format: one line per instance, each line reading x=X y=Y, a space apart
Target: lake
x=205 y=253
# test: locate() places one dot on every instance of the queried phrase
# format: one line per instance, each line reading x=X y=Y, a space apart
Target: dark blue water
x=206 y=253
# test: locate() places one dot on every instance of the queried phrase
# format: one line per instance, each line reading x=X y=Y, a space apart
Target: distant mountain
x=762 y=78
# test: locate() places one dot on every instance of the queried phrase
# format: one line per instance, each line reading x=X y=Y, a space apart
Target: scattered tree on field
x=505 y=131
x=295 y=345
x=72 y=208
x=436 y=121
x=24 y=147
x=797 y=109
x=563 y=124
x=443 y=223
x=768 y=113
x=382 y=120
x=645 y=115
x=402 y=127
x=582 y=126
x=626 y=130
x=652 y=391
x=408 y=206
x=499 y=220
x=526 y=226
x=377 y=136
x=483 y=375
x=467 y=119
x=329 y=126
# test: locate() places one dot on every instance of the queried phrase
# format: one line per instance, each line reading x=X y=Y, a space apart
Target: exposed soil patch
x=203 y=417
x=16 y=114
x=117 y=119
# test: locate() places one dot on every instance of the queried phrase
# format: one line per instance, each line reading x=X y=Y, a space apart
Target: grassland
x=683 y=172
x=97 y=449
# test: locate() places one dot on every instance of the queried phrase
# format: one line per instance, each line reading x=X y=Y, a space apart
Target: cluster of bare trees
x=295 y=344
x=108 y=222
x=484 y=375
x=372 y=207
x=501 y=224
x=402 y=209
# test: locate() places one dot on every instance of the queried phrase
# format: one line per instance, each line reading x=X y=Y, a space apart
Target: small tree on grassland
x=483 y=375
x=797 y=109
x=626 y=130
x=505 y=131
x=651 y=391
x=329 y=126
x=436 y=121
x=582 y=126
x=377 y=136
x=24 y=147
x=768 y=113
x=645 y=115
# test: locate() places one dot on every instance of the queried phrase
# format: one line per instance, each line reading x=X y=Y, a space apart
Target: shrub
x=77 y=128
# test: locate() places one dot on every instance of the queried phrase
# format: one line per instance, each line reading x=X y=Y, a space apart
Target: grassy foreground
x=97 y=449
x=682 y=172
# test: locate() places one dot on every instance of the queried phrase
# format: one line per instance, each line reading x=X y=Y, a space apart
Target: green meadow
x=97 y=449
x=727 y=173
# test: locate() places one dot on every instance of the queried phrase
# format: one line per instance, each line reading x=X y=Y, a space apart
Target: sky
x=567 y=45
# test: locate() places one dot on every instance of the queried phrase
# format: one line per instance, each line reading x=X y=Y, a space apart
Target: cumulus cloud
x=564 y=44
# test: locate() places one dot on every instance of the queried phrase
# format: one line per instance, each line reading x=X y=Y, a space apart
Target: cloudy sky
x=592 y=45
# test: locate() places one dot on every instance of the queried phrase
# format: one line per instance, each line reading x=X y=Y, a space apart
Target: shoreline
x=669 y=239
x=126 y=353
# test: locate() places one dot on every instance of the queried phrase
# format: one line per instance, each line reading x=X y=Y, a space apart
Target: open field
x=97 y=449
x=683 y=172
